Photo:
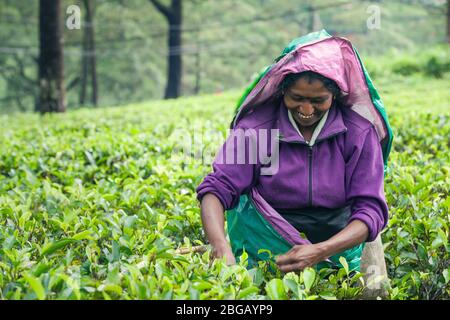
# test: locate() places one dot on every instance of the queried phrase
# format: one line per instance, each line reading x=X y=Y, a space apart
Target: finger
x=288 y=258
x=292 y=267
x=231 y=260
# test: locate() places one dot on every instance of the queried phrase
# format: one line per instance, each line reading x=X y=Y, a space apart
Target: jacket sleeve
x=365 y=183
x=231 y=178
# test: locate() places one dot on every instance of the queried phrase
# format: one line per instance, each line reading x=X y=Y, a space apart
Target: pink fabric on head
x=333 y=58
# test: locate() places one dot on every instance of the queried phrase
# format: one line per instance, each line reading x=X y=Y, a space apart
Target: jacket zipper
x=310 y=157
x=310 y=161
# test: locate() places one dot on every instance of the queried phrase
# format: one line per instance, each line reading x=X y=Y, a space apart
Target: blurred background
x=57 y=55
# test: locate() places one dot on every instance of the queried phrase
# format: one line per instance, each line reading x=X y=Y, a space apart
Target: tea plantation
x=94 y=203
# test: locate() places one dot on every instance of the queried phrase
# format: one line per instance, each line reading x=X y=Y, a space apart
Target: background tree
x=51 y=65
x=448 y=21
x=89 y=61
x=223 y=43
x=173 y=15
x=18 y=69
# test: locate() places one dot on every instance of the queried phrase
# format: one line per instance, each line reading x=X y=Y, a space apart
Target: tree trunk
x=84 y=68
x=173 y=88
x=89 y=61
x=448 y=21
x=51 y=63
x=198 y=71
x=173 y=15
x=311 y=19
x=92 y=53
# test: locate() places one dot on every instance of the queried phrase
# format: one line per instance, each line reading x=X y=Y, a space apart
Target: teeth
x=305 y=117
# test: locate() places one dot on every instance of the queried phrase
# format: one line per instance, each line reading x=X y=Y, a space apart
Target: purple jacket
x=343 y=167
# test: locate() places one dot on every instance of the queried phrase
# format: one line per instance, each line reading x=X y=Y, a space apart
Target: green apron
x=249 y=231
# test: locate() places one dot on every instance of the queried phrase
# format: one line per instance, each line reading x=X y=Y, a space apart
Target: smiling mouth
x=301 y=116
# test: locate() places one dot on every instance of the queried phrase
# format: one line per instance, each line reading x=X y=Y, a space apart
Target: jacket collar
x=334 y=125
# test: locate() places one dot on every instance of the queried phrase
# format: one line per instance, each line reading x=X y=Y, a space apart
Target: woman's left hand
x=301 y=257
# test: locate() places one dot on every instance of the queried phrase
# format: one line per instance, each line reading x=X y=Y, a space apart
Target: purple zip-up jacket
x=343 y=167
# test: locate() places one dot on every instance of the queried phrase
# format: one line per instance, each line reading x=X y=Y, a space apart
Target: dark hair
x=329 y=84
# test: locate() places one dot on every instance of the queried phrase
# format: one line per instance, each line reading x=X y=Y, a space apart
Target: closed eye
x=300 y=98
x=314 y=100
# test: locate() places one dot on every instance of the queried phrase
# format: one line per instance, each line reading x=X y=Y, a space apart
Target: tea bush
x=433 y=62
x=94 y=203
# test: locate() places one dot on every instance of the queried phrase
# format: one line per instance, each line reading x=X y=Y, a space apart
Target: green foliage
x=417 y=189
x=94 y=203
x=406 y=67
x=436 y=67
x=233 y=40
x=432 y=62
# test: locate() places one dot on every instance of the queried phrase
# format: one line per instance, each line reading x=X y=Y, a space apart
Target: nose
x=306 y=108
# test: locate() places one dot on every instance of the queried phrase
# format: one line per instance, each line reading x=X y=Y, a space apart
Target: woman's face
x=307 y=101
